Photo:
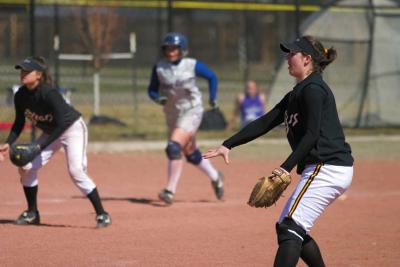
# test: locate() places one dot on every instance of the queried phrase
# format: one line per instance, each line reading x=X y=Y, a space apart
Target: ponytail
x=46 y=77
x=326 y=55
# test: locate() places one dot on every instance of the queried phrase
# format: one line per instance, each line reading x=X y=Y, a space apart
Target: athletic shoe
x=28 y=217
x=166 y=196
x=103 y=220
x=218 y=186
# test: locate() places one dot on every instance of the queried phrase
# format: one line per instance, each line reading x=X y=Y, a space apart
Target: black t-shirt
x=46 y=109
x=312 y=125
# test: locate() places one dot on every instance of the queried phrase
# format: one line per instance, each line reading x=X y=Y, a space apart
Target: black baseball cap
x=300 y=45
x=30 y=64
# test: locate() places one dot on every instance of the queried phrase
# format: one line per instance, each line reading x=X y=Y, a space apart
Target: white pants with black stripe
x=318 y=187
x=74 y=142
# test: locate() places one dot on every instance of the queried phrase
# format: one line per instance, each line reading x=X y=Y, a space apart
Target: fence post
x=132 y=42
x=365 y=90
x=297 y=19
x=96 y=92
x=56 y=40
x=170 y=16
x=32 y=26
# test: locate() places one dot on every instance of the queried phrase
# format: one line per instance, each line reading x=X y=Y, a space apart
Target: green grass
x=147 y=120
x=148 y=123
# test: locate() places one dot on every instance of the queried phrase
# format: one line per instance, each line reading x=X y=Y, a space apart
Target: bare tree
x=99 y=29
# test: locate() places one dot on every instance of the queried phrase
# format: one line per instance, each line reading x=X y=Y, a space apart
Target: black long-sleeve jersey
x=46 y=109
x=312 y=125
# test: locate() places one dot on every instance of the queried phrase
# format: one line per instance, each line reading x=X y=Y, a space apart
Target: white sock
x=206 y=166
x=174 y=173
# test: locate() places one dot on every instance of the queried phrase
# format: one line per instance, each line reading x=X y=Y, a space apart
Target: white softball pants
x=318 y=187
x=74 y=142
x=189 y=119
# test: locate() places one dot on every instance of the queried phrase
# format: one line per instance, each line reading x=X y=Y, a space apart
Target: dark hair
x=326 y=55
x=46 y=77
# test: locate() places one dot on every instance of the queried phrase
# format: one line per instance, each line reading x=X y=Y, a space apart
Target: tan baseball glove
x=269 y=189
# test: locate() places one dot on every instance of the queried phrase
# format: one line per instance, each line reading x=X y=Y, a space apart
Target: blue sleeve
x=203 y=71
x=152 y=90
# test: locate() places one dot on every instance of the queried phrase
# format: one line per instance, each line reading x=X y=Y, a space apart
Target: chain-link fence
x=239 y=40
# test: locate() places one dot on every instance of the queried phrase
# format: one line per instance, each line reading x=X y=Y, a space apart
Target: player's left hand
x=220 y=151
x=269 y=189
x=213 y=103
x=162 y=100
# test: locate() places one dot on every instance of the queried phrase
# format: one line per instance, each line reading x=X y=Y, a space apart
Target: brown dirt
x=361 y=229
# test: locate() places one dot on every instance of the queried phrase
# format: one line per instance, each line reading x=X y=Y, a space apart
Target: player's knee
x=76 y=171
x=28 y=175
x=25 y=169
x=173 y=150
x=85 y=186
x=29 y=181
x=308 y=239
x=195 y=157
x=289 y=230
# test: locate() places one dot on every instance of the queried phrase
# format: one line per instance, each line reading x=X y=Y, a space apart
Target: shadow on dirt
x=6 y=221
x=145 y=201
x=149 y=201
x=65 y=226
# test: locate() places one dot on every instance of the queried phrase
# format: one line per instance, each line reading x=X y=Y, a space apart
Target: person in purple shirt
x=249 y=105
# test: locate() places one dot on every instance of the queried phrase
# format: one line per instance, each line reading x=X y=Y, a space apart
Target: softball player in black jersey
x=319 y=150
x=62 y=126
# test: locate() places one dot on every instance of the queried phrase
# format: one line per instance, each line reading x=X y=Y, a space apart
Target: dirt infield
x=360 y=229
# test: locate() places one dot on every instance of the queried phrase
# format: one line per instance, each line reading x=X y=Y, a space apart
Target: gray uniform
x=184 y=107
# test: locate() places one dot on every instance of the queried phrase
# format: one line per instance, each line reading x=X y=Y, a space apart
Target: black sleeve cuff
x=227 y=145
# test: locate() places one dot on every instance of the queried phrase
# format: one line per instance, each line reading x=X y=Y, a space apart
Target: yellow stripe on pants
x=304 y=189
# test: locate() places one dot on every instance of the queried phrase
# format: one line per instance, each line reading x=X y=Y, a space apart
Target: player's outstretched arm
x=220 y=151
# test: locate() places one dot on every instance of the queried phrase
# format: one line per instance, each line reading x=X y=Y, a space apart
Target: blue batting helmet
x=175 y=38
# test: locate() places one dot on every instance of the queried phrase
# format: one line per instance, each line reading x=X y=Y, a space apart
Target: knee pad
x=307 y=239
x=173 y=150
x=289 y=230
x=194 y=158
